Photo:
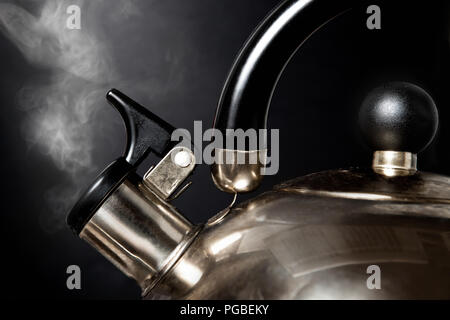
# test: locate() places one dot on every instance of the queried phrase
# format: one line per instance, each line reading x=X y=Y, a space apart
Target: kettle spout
x=127 y=218
x=138 y=232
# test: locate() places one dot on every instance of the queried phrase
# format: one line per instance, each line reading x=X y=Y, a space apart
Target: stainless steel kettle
x=315 y=237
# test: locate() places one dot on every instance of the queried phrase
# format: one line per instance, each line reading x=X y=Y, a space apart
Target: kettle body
x=375 y=233
x=297 y=242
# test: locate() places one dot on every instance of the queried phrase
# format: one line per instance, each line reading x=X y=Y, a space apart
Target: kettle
x=319 y=236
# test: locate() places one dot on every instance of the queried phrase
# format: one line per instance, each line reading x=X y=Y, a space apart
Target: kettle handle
x=246 y=96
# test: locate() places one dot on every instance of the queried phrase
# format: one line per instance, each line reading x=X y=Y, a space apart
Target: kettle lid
x=397 y=116
x=366 y=184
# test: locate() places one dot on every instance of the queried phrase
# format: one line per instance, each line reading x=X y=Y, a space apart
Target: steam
x=62 y=111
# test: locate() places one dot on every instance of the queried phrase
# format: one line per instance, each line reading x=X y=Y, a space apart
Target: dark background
x=314 y=105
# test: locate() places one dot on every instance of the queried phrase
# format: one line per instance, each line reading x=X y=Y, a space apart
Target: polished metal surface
x=170 y=172
x=364 y=184
x=309 y=238
x=287 y=244
x=394 y=163
x=237 y=171
x=138 y=232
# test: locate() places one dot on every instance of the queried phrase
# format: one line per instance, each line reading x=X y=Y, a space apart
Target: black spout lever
x=146 y=132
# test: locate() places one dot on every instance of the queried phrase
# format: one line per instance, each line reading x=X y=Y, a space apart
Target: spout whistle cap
x=105 y=184
x=146 y=132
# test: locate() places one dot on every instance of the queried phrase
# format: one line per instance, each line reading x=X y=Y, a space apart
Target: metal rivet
x=182 y=159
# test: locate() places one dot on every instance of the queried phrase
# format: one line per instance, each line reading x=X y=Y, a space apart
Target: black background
x=314 y=106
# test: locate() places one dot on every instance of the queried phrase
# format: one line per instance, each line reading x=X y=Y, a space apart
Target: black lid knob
x=398 y=116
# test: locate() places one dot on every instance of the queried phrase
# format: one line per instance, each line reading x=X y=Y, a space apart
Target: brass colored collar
x=394 y=163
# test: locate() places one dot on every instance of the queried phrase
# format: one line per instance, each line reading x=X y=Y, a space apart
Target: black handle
x=245 y=99
x=145 y=131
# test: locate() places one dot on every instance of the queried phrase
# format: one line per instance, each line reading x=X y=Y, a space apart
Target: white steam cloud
x=62 y=111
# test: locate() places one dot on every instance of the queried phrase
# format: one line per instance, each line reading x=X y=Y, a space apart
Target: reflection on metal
x=308 y=249
x=138 y=232
x=237 y=171
x=290 y=245
x=225 y=242
x=170 y=172
x=189 y=274
x=422 y=187
x=394 y=163
x=366 y=196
